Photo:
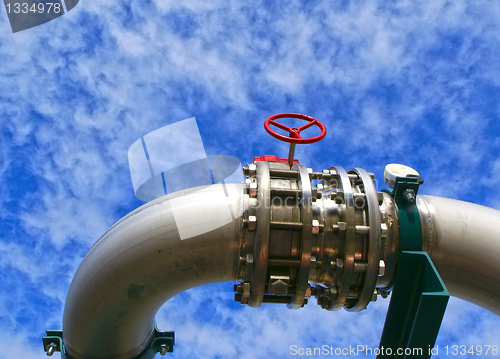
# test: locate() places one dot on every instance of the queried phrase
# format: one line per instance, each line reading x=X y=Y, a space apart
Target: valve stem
x=291 y=154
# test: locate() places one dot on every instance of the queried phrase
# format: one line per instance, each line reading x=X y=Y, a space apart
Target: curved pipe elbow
x=193 y=237
x=174 y=243
x=463 y=241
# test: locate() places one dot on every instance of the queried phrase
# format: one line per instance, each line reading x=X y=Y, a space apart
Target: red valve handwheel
x=294 y=133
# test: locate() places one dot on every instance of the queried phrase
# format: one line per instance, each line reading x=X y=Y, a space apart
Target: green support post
x=416 y=310
x=419 y=296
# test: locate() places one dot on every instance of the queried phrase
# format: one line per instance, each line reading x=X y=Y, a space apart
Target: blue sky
x=393 y=81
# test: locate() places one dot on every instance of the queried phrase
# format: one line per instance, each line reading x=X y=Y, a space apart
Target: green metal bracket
x=416 y=310
x=162 y=343
x=405 y=194
x=419 y=295
x=53 y=342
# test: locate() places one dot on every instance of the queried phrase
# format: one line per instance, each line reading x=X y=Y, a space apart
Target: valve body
x=329 y=234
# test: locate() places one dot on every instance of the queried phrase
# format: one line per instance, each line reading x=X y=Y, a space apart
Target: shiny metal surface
x=348 y=210
x=463 y=241
x=326 y=234
x=283 y=238
x=261 y=248
x=145 y=259
x=306 y=240
x=374 y=245
x=390 y=240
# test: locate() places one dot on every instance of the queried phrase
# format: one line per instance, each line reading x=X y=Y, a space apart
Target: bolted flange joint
x=333 y=240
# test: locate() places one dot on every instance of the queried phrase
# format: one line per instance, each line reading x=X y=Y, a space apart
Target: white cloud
x=16 y=346
x=393 y=82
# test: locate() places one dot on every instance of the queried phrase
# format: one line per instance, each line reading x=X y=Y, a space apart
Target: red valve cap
x=273 y=158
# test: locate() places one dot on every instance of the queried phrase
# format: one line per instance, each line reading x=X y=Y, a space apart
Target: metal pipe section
x=286 y=234
x=463 y=241
x=174 y=243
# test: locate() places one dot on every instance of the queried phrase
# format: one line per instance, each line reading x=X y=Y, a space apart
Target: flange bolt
x=409 y=195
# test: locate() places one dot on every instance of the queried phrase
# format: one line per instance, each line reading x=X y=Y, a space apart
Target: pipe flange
x=374 y=244
x=302 y=283
x=261 y=242
x=350 y=243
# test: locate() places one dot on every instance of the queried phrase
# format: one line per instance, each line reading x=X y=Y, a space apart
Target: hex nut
x=315 y=226
x=278 y=287
x=333 y=265
x=339 y=197
x=381 y=268
x=360 y=200
x=325 y=303
x=313 y=264
x=383 y=293
x=252 y=223
x=380 y=197
x=246 y=290
x=249 y=262
x=308 y=292
x=383 y=228
x=339 y=265
x=333 y=293
x=252 y=190
x=409 y=195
